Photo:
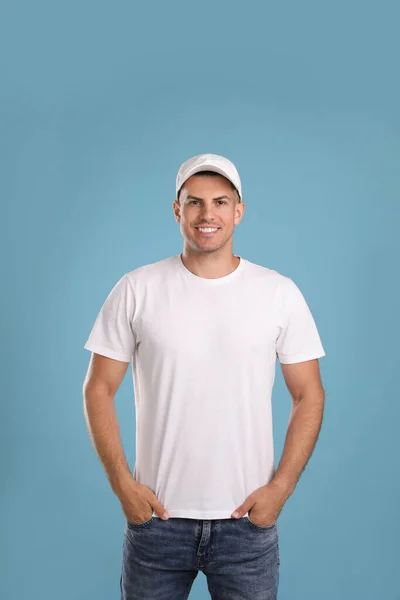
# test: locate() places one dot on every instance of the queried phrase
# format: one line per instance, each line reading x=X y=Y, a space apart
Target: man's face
x=208 y=202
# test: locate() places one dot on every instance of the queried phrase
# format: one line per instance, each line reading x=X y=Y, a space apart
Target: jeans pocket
x=132 y=525
x=263 y=527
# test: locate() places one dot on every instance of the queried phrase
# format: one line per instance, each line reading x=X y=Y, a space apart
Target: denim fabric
x=160 y=559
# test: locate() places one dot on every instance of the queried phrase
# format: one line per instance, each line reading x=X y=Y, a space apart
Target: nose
x=206 y=214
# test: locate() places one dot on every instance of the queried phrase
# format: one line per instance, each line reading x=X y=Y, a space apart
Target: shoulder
x=269 y=275
x=151 y=271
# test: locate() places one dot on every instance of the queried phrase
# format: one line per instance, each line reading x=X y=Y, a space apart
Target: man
x=203 y=330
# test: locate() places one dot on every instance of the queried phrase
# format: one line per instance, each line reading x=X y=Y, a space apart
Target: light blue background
x=100 y=104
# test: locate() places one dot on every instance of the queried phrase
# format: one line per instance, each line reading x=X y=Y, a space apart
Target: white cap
x=208 y=162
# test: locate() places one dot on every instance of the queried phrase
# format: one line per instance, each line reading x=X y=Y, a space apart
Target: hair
x=212 y=174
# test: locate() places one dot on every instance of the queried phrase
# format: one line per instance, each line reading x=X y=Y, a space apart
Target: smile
x=207 y=230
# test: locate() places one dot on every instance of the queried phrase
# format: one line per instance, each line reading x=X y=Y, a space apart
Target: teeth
x=207 y=229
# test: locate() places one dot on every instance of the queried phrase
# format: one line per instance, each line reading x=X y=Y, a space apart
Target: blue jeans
x=161 y=559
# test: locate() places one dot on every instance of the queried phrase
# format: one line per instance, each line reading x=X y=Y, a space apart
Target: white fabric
x=203 y=363
x=208 y=162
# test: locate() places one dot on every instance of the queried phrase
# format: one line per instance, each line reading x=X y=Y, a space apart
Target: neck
x=208 y=266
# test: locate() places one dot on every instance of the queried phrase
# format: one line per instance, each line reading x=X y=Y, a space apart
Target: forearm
x=102 y=422
x=301 y=436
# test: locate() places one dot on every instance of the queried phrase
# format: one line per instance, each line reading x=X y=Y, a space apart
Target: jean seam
x=266 y=528
x=136 y=525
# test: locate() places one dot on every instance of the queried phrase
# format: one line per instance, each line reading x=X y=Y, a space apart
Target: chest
x=200 y=326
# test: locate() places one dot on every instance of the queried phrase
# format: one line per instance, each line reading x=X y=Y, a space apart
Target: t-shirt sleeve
x=112 y=334
x=298 y=339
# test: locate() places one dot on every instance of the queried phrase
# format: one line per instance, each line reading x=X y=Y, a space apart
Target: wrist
x=121 y=481
x=284 y=484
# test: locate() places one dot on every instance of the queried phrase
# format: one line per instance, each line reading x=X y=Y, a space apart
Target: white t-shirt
x=203 y=357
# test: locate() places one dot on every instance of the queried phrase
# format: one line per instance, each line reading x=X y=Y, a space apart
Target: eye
x=220 y=201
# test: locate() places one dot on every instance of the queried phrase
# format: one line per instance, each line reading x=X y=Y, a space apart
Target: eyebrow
x=201 y=199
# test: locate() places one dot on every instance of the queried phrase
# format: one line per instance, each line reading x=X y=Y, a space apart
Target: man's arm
x=101 y=384
x=304 y=384
x=102 y=381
